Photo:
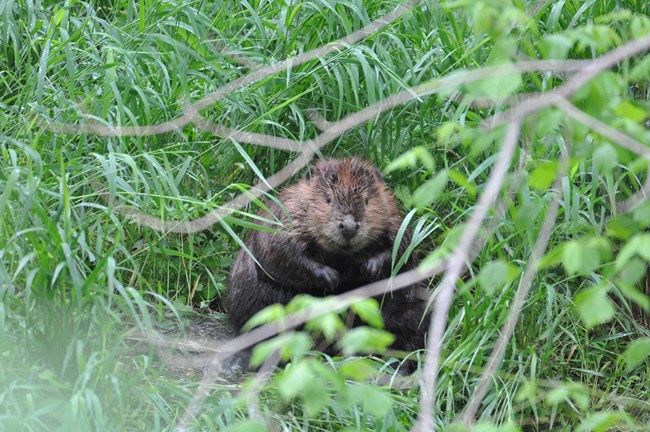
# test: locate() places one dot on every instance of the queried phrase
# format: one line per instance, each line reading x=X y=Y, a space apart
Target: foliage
x=76 y=276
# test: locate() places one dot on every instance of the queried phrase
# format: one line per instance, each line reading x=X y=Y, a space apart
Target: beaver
x=339 y=226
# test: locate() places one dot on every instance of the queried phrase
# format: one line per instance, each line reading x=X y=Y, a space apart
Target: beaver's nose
x=349 y=227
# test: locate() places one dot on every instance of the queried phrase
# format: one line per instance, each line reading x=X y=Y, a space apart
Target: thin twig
x=522 y=293
x=586 y=74
x=604 y=129
x=318 y=120
x=245 y=137
x=454 y=269
x=246 y=340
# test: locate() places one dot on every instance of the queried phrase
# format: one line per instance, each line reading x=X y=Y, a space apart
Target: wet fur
x=310 y=256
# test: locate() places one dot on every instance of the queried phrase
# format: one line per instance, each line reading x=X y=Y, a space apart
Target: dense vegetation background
x=77 y=276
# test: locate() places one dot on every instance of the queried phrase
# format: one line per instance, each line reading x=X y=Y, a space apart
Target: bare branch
x=235 y=56
x=243 y=81
x=242 y=60
x=520 y=297
x=334 y=131
x=430 y=87
x=453 y=271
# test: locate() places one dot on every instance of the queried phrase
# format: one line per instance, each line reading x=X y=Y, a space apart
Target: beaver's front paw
x=327 y=276
x=375 y=267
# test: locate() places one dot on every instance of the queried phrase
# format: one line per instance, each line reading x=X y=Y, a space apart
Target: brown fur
x=340 y=225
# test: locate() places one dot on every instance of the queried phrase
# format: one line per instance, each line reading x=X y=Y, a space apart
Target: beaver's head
x=349 y=205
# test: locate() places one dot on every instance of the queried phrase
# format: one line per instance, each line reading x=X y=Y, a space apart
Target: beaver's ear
x=314 y=170
x=364 y=167
x=369 y=166
x=309 y=173
x=377 y=173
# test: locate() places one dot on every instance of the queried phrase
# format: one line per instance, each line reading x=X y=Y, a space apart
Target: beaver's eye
x=366 y=200
x=328 y=199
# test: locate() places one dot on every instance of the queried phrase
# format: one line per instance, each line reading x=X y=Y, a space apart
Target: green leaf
x=495 y=274
x=555 y=46
x=373 y=400
x=266 y=315
x=552 y=257
x=636 y=353
x=594 y=306
x=484 y=427
x=633 y=293
x=641 y=214
x=600 y=92
x=487 y=426
x=548 y=122
x=447 y=130
x=580 y=258
x=557 y=396
x=462 y=181
x=358 y=369
x=301 y=380
x=329 y=325
x=595 y=37
x=246 y=426
x=639 y=26
x=290 y=381
x=641 y=70
x=315 y=397
x=528 y=391
x=436 y=256
x=369 y=311
x=629 y=110
x=430 y=190
x=510 y=426
x=304 y=301
x=637 y=245
x=600 y=421
x=632 y=271
x=605 y=158
x=412 y=159
x=622 y=227
x=496 y=88
x=543 y=175
x=288 y=345
x=365 y=340
x=560 y=394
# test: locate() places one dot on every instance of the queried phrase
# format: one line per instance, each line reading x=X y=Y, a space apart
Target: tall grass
x=76 y=277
